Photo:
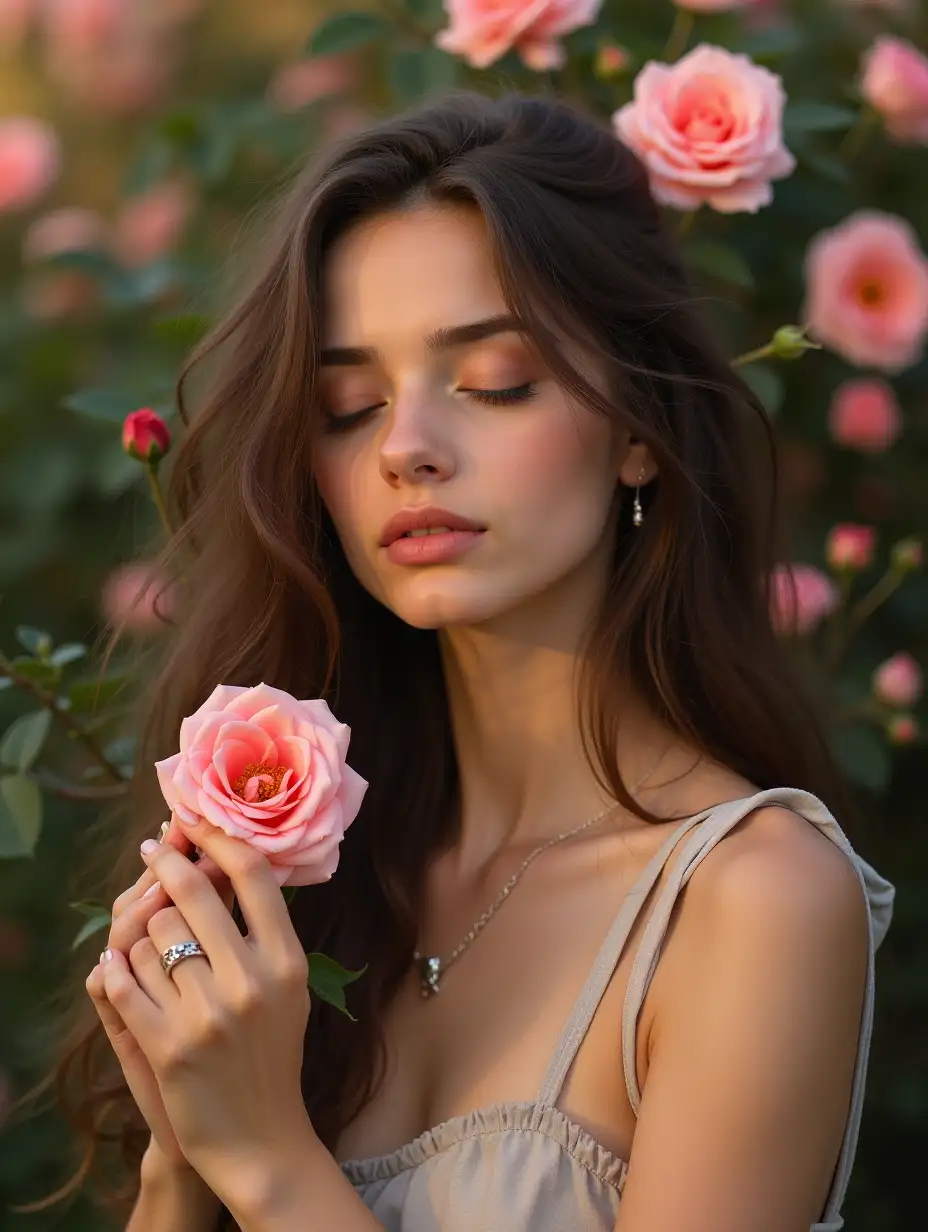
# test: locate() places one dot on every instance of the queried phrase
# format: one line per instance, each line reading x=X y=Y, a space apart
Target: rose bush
x=785 y=142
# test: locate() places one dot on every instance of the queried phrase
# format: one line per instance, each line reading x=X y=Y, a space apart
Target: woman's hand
x=223 y=1035
x=131 y=913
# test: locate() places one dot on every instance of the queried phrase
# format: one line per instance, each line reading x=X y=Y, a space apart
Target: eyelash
x=489 y=397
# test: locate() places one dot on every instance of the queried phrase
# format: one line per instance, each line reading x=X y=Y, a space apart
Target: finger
x=132 y=923
x=202 y=907
x=169 y=928
x=142 y=1017
x=113 y=1024
x=263 y=907
x=171 y=835
x=151 y=977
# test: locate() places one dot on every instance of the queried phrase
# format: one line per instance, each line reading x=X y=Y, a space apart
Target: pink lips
x=431 y=549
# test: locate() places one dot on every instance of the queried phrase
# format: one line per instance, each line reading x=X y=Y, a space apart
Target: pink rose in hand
x=867 y=291
x=481 y=31
x=895 y=83
x=709 y=129
x=270 y=770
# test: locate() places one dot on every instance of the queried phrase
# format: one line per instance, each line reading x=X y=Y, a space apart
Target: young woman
x=470 y=466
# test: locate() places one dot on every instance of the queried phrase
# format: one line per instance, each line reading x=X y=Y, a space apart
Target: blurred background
x=138 y=138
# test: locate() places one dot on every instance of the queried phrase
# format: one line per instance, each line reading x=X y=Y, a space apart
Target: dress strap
x=879 y=897
x=597 y=981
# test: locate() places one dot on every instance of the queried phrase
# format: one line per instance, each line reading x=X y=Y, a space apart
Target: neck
x=513 y=697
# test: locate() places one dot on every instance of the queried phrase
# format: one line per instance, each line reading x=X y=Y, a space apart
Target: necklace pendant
x=429 y=975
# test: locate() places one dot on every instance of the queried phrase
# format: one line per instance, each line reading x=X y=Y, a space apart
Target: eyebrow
x=443 y=339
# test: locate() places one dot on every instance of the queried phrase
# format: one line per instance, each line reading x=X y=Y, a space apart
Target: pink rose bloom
x=481 y=31
x=302 y=82
x=129 y=583
x=270 y=770
x=15 y=18
x=867 y=291
x=895 y=83
x=898 y=681
x=29 y=161
x=864 y=415
x=801 y=596
x=151 y=224
x=83 y=27
x=70 y=229
x=709 y=130
x=850 y=546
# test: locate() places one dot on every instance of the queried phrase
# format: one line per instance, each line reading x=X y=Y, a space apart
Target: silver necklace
x=432 y=968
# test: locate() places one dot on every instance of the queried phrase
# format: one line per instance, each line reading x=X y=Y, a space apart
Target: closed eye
x=489 y=397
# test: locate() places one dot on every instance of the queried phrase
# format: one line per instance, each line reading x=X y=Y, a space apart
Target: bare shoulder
x=773 y=895
x=777 y=871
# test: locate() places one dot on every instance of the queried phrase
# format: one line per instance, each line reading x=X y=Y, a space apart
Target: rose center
x=872 y=293
x=258 y=782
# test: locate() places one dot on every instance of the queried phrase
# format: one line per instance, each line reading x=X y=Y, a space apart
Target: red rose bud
x=145 y=436
x=908 y=555
x=902 y=729
x=611 y=61
x=850 y=547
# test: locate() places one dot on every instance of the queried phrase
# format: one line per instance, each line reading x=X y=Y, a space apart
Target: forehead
x=401 y=274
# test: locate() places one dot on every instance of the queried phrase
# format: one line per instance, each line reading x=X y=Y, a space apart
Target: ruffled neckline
x=526 y=1118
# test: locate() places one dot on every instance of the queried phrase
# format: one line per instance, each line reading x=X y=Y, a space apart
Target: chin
x=428 y=602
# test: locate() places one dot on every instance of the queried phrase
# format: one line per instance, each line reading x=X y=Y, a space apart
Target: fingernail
x=150 y=845
x=100 y=959
x=162 y=833
x=151 y=890
x=106 y=955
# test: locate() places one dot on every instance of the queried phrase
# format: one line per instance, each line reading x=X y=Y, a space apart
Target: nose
x=415 y=447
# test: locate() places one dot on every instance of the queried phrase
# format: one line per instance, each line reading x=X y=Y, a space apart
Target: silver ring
x=177 y=953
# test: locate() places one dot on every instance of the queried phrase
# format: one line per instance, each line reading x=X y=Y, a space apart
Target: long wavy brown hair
x=581 y=254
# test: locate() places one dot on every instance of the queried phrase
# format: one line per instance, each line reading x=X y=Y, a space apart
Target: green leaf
x=36 y=641
x=45 y=674
x=766 y=384
x=90 y=908
x=90 y=694
x=719 y=261
x=806 y=117
x=89 y=927
x=289 y=893
x=863 y=755
x=772 y=44
x=416 y=73
x=345 y=31
x=23 y=739
x=20 y=816
x=70 y=652
x=328 y=980
x=121 y=750
x=110 y=404
x=186 y=329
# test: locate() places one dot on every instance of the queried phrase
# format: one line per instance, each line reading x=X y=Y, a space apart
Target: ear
x=637 y=467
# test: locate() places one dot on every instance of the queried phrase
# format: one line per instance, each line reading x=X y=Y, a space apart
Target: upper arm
x=754 y=1042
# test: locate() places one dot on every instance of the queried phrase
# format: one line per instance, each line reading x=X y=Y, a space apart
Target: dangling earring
x=637 y=511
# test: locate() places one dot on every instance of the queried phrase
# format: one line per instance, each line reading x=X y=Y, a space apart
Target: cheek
x=559 y=469
x=342 y=488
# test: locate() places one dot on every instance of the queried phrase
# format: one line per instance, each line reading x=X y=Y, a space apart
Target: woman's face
x=432 y=401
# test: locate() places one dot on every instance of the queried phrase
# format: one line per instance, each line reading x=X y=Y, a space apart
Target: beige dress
x=525 y=1167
